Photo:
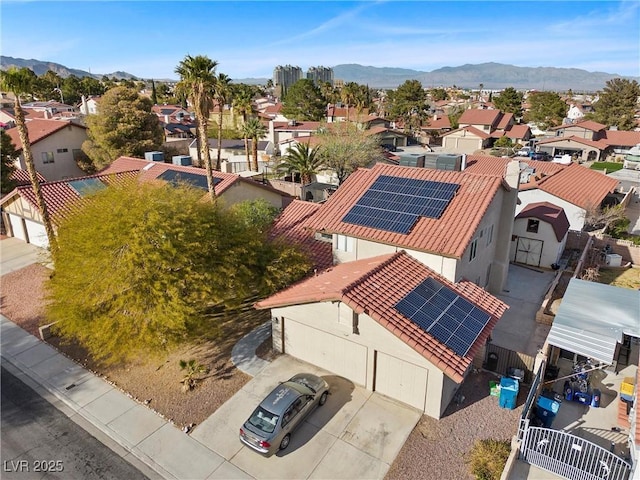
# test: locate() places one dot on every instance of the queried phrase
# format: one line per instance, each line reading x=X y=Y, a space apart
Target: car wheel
x=323 y=398
x=285 y=442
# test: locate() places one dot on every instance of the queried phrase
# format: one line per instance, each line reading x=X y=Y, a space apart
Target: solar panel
x=395 y=203
x=176 y=177
x=445 y=315
x=86 y=186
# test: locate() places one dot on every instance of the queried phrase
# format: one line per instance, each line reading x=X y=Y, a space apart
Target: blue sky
x=248 y=39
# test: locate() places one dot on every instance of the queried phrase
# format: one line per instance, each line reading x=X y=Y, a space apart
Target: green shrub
x=488 y=458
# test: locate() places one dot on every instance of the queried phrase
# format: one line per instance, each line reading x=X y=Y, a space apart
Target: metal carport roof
x=593 y=317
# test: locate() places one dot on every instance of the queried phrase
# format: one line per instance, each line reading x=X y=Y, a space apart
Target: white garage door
x=17 y=227
x=37 y=234
x=401 y=380
x=327 y=351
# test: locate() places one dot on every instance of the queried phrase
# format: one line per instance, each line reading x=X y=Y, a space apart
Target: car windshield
x=263 y=420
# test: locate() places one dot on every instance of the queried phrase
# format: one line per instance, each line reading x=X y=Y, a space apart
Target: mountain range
x=490 y=75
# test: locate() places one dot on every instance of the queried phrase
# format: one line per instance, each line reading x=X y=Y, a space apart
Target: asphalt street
x=40 y=442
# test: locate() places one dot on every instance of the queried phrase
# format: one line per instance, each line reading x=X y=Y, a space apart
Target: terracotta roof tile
x=289 y=226
x=374 y=285
x=477 y=116
x=505 y=120
x=579 y=185
x=622 y=138
x=489 y=165
x=475 y=131
x=599 y=144
x=586 y=124
x=21 y=177
x=550 y=213
x=449 y=235
x=438 y=123
x=518 y=131
x=305 y=126
x=38 y=129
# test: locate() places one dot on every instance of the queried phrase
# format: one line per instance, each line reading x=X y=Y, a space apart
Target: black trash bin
x=492 y=362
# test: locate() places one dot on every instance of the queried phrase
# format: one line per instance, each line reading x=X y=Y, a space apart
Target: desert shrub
x=488 y=458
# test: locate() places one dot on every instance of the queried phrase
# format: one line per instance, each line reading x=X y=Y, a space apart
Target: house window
x=62 y=150
x=325 y=237
x=473 y=250
x=532 y=225
x=489 y=235
x=47 y=157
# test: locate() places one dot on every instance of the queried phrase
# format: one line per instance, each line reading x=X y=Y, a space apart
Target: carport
x=593 y=319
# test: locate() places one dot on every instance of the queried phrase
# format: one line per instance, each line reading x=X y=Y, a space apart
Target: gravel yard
x=437 y=449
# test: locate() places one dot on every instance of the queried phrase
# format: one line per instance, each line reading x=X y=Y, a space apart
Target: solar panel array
x=86 y=186
x=395 y=203
x=176 y=177
x=445 y=315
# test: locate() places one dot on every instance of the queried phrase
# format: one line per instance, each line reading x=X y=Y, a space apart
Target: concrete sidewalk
x=149 y=437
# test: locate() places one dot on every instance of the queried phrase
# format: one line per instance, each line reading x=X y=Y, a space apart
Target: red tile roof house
x=54 y=145
x=574 y=188
x=20 y=213
x=344 y=319
x=479 y=128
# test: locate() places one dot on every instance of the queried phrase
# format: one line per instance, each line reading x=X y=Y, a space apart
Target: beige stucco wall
x=19 y=206
x=326 y=316
x=551 y=248
x=578 y=132
x=242 y=191
x=461 y=142
x=64 y=166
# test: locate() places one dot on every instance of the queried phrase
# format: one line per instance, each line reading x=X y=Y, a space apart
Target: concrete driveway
x=356 y=434
x=16 y=254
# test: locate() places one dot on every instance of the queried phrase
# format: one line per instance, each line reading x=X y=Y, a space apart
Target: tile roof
x=518 y=131
x=586 y=124
x=489 y=165
x=59 y=196
x=380 y=129
x=305 y=126
x=449 y=235
x=621 y=138
x=550 y=213
x=39 y=129
x=599 y=144
x=21 y=177
x=505 y=120
x=475 y=131
x=579 y=185
x=374 y=285
x=477 y=116
x=437 y=123
x=289 y=226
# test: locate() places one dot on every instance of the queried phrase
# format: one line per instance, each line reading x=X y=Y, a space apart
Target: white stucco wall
x=574 y=213
x=326 y=317
x=551 y=249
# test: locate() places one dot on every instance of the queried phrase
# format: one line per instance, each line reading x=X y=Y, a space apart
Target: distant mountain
x=491 y=75
x=40 y=67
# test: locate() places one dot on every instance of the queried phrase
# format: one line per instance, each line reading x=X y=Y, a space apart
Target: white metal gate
x=529 y=251
x=571 y=457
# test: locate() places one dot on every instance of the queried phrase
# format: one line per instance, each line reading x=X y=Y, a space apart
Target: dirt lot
x=155 y=383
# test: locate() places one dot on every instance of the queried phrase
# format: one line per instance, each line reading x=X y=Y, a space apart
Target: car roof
x=282 y=396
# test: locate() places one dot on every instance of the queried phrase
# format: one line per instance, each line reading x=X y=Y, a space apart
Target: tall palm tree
x=254 y=129
x=19 y=81
x=221 y=94
x=302 y=159
x=197 y=82
x=243 y=103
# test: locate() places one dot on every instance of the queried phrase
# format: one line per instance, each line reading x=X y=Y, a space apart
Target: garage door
x=37 y=234
x=401 y=380
x=17 y=227
x=327 y=351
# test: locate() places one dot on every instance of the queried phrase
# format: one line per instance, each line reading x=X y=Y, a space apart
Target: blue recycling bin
x=508 y=392
x=547 y=410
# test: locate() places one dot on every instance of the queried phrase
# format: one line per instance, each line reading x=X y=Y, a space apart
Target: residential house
x=588 y=141
x=388 y=323
x=540 y=233
x=574 y=188
x=233 y=154
x=55 y=146
x=480 y=128
x=431 y=132
x=89 y=105
x=22 y=217
x=342 y=113
x=280 y=132
x=177 y=122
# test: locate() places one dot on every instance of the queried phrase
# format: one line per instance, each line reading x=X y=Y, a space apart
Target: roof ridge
x=374 y=270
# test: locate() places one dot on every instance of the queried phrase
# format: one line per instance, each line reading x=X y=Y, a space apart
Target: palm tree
x=19 y=81
x=197 y=82
x=221 y=93
x=254 y=129
x=243 y=102
x=301 y=159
